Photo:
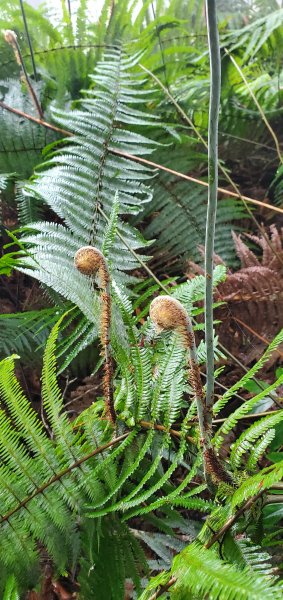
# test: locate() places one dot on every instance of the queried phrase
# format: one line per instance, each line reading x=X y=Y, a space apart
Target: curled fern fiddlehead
x=90 y=261
x=167 y=313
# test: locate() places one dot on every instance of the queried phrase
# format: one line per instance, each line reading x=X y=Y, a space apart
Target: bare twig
x=273 y=499
x=237 y=193
x=174 y=432
x=265 y=120
x=277 y=486
x=252 y=416
x=256 y=334
x=163 y=589
x=40 y=121
x=76 y=398
x=150 y=163
x=12 y=39
x=230 y=522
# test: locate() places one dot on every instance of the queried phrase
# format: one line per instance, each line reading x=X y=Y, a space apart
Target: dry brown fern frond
x=253 y=311
x=269 y=258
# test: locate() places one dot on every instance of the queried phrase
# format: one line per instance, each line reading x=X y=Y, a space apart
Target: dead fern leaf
x=252 y=313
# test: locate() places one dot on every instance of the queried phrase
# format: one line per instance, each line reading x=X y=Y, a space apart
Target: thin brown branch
x=217 y=536
x=256 y=334
x=163 y=589
x=277 y=486
x=20 y=113
x=262 y=114
x=253 y=416
x=174 y=432
x=273 y=499
x=194 y=179
x=61 y=474
x=217 y=421
x=12 y=40
x=223 y=169
x=144 y=161
x=230 y=522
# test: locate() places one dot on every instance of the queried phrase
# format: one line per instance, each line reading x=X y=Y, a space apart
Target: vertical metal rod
x=29 y=40
x=214 y=104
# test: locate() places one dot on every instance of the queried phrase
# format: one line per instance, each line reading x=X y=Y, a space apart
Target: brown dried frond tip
x=167 y=313
x=88 y=260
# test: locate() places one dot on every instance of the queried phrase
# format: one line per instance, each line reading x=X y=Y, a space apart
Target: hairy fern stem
x=12 y=40
x=90 y=261
x=167 y=313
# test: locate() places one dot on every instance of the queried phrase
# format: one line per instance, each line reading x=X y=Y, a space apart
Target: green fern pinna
x=77 y=488
x=120 y=493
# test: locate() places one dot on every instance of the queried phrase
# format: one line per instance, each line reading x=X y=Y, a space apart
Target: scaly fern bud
x=90 y=261
x=11 y=39
x=167 y=313
x=10 y=36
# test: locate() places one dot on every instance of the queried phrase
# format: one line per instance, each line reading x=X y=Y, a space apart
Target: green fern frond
x=103 y=572
x=200 y=573
x=11 y=589
x=248 y=438
x=254 y=484
x=127 y=472
x=253 y=556
x=87 y=170
x=244 y=409
x=192 y=291
x=52 y=397
x=30 y=209
x=242 y=552
x=257 y=35
x=22 y=141
x=24 y=333
x=163 y=546
x=219 y=405
x=260 y=447
x=174 y=205
x=276 y=187
x=29 y=460
x=110 y=230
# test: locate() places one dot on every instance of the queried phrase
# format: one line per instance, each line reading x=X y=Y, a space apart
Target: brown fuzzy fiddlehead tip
x=88 y=260
x=168 y=313
x=10 y=36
